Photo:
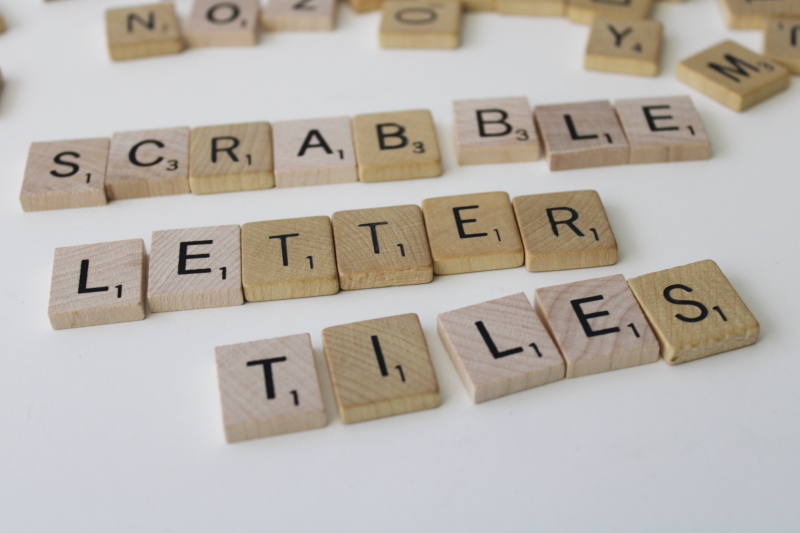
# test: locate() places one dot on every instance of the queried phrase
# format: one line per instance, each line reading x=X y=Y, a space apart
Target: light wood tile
x=269 y=387
x=582 y=135
x=363 y=6
x=290 y=258
x=694 y=311
x=661 y=130
x=233 y=157
x=195 y=268
x=380 y=368
x=532 y=8
x=497 y=130
x=746 y=14
x=64 y=174
x=97 y=284
x=733 y=75
x=782 y=42
x=142 y=31
x=299 y=15
x=624 y=46
x=472 y=233
x=396 y=146
x=314 y=152
x=500 y=347
x=222 y=23
x=419 y=24
x=564 y=230
x=597 y=325
x=585 y=11
x=148 y=163
x=381 y=247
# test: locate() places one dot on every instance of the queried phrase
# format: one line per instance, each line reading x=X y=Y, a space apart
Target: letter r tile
x=500 y=347
x=597 y=324
x=269 y=387
x=195 y=268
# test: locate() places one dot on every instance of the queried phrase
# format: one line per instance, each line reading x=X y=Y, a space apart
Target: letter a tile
x=782 y=42
x=624 y=46
x=291 y=258
x=143 y=31
x=314 y=152
x=97 y=284
x=148 y=163
x=299 y=15
x=472 y=232
x=269 y=387
x=733 y=75
x=222 y=23
x=380 y=368
x=195 y=268
x=597 y=325
x=418 y=24
x=381 y=247
x=500 y=347
x=234 y=157
x=65 y=174
x=695 y=311
x=497 y=130
x=563 y=230
x=396 y=146
x=582 y=135
x=661 y=130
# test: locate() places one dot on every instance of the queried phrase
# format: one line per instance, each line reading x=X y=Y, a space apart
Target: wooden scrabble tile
x=148 y=163
x=269 y=387
x=597 y=325
x=585 y=11
x=782 y=43
x=533 y=8
x=396 y=146
x=420 y=24
x=733 y=75
x=582 y=135
x=381 y=247
x=624 y=46
x=64 y=174
x=195 y=268
x=694 y=311
x=500 y=347
x=222 y=23
x=747 y=14
x=498 y=130
x=299 y=15
x=291 y=258
x=564 y=230
x=142 y=31
x=472 y=233
x=380 y=368
x=97 y=284
x=314 y=152
x=233 y=157
x=661 y=130
x=363 y=6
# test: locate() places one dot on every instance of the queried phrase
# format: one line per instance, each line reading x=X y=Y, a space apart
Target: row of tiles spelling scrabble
x=370 y=148
x=382 y=367
x=154 y=29
x=221 y=266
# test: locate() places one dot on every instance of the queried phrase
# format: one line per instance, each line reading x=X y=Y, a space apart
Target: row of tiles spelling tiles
x=221 y=266
x=382 y=367
x=370 y=148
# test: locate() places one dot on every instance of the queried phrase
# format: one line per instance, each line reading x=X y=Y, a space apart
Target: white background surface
x=118 y=427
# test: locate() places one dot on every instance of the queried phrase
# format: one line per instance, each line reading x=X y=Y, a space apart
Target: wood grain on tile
x=142 y=31
x=299 y=15
x=222 y=23
x=597 y=324
x=380 y=368
x=420 y=24
x=532 y=8
x=97 y=284
x=585 y=11
x=782 y=42
x=749 y=15
x=624 y=46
